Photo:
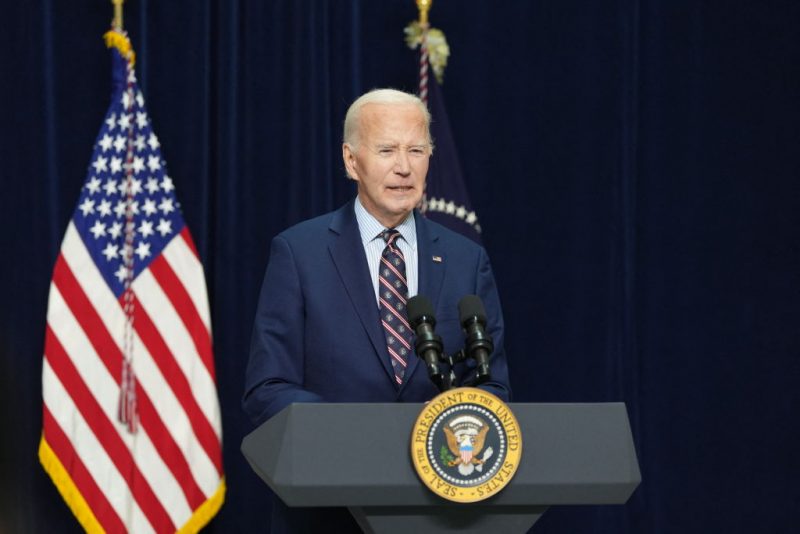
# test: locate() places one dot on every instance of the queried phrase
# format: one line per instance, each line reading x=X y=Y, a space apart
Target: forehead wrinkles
x=392 y=124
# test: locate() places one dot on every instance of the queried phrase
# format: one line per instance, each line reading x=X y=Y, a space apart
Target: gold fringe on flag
x=206 y=511
x=66 y=487
x=119 y=40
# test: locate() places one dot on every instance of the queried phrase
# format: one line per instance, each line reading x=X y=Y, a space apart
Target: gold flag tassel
x=431 y=40
x=127 y=414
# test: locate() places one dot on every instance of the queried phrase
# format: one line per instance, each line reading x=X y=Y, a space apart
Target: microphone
x=479 y=345
x=428 y=345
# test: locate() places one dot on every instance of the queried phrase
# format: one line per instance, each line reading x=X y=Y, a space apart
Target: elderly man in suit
x=331 y=323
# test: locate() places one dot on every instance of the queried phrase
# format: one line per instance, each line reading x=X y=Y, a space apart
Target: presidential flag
x=446 y=200
x=131 y=431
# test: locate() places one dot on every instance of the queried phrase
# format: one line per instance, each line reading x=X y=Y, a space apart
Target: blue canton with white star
x=100 y=217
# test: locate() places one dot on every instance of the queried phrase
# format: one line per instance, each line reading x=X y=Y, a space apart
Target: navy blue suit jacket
x=317 y=334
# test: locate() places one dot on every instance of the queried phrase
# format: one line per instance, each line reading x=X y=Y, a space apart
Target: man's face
x=391 y=160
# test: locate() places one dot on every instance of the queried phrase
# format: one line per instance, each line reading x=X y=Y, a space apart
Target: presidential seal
x=466 y=445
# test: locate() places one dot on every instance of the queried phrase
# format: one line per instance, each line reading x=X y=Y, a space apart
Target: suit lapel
x=347 y=252
x=430 y=267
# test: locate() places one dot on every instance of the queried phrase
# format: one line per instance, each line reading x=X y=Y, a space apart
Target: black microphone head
x=470 y=307
x=419 y=308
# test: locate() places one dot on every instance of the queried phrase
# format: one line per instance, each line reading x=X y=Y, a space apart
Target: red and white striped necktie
x=393 y=292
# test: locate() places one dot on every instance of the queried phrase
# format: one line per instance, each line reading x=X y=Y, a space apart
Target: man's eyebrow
x=396 y=145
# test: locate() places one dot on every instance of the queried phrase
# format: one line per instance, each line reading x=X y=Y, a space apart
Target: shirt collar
x=371 y=229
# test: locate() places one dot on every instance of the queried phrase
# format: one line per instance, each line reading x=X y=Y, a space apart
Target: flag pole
x=424 y=6
x=117 y=22
x=127 y=409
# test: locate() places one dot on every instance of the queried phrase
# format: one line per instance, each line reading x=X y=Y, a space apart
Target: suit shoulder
x=309 y=229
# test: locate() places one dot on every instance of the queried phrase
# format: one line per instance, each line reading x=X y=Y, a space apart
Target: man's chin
x=406 y=207
x=398 y=212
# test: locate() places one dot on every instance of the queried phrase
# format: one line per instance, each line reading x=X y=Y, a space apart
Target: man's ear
x=350 y=164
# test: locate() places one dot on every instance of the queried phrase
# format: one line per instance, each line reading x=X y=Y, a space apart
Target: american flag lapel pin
x=437 y=259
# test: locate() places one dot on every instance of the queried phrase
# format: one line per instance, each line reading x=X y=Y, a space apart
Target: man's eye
x=385 y=151
x=417 y=151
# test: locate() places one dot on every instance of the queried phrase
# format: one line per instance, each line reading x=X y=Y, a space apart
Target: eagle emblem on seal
x=466 y=435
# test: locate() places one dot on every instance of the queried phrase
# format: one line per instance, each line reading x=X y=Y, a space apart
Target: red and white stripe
x=399 y=359
x=393 y=332
x=153 y=480
x=391 y=288
x=394 y=312
x=423 y=65
x=391 y=267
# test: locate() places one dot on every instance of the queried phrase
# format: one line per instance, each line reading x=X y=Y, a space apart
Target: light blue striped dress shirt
x=374 y=244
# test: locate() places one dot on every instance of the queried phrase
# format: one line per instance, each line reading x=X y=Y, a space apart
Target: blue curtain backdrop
x=634 y=164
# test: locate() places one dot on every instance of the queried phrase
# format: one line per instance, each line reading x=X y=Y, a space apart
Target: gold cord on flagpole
x=117 y=22
x=116 y=36
x=431 y=41
x=424 y=6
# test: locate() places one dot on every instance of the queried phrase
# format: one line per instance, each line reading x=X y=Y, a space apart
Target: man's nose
x=402 y=164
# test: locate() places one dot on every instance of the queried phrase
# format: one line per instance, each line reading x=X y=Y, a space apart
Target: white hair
x=380 y=96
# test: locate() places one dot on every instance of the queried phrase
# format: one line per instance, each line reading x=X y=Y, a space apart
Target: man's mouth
x=400 y=188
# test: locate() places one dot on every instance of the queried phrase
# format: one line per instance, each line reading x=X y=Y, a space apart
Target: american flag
x=131 y=422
